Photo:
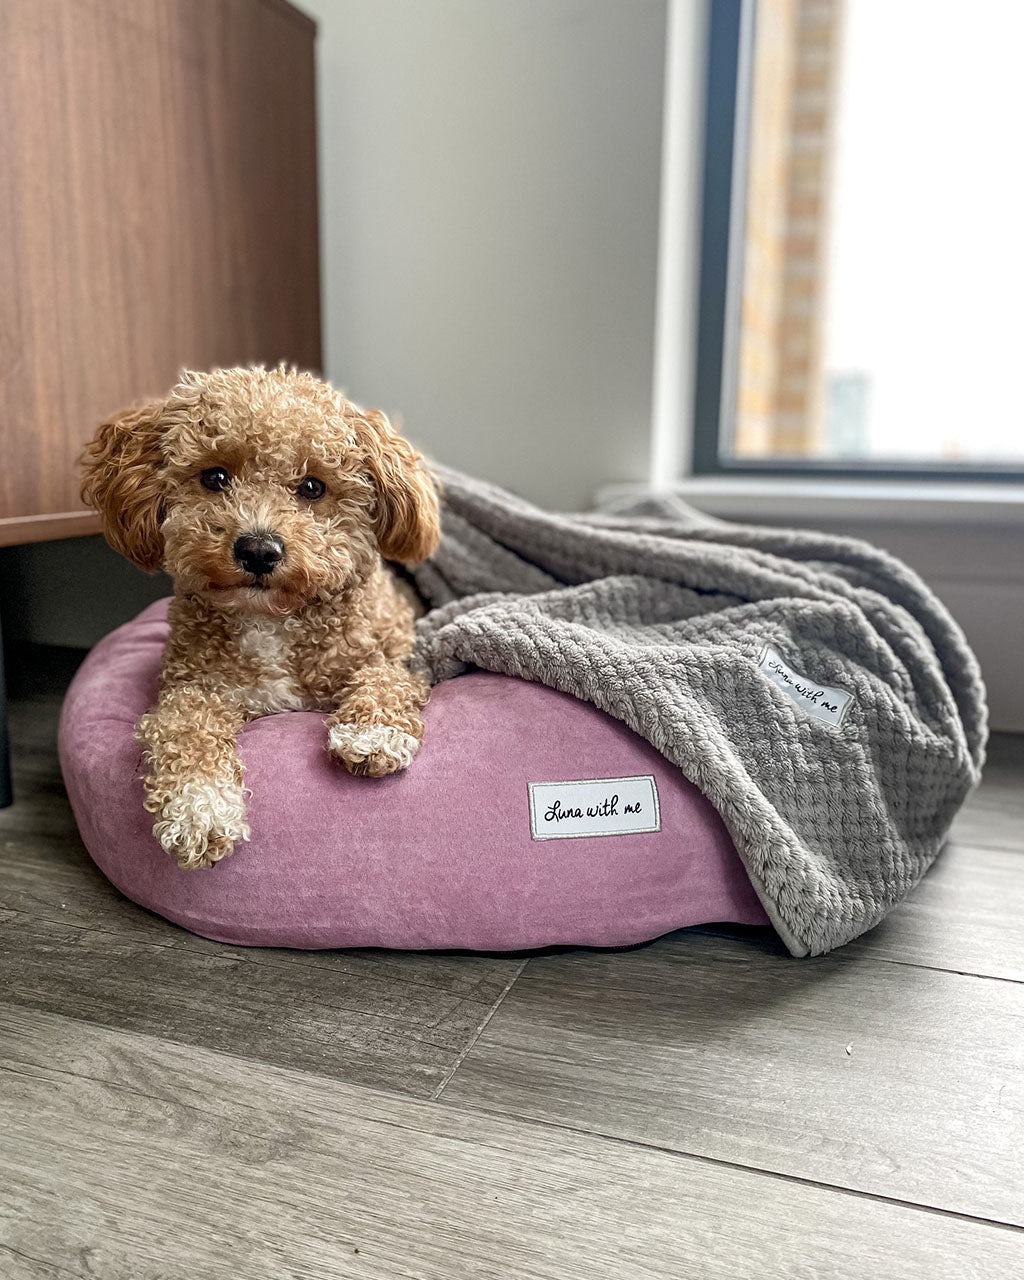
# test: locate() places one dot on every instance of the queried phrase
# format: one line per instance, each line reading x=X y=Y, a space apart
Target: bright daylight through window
x=880 y=313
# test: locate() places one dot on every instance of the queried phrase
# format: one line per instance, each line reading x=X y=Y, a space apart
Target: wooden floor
x=703 y=1107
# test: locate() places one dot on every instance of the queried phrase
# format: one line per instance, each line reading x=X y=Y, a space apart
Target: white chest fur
x=264 y=643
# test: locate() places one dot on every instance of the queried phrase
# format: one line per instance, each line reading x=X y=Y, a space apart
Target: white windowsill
x=811 y=498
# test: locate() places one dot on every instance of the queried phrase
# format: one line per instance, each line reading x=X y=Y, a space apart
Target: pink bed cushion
x=440 y=856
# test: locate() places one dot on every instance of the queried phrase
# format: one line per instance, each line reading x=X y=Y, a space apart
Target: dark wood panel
x=128 y=1156
x=67 y=524
x=889 y=1079
x=158 y=208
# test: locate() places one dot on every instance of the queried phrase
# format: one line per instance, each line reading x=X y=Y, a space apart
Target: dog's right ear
x=123 y=482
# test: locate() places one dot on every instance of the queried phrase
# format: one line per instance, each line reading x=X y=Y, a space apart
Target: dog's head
x=260 y=490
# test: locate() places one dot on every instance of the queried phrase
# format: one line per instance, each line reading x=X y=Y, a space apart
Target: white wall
x=489 y=195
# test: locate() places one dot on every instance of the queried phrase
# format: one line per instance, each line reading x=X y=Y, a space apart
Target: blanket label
x=819 y=700
x=594 y=807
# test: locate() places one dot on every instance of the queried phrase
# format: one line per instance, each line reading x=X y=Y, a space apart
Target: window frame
x=727 y=110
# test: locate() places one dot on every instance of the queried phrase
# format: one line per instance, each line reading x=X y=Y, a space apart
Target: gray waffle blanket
x=812 y=687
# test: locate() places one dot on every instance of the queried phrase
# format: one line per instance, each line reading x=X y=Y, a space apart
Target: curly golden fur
x=280 y=462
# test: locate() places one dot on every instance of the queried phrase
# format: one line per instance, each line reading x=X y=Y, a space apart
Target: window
x=862 y=269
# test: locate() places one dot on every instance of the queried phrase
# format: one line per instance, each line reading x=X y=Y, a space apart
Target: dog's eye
x=311 y=488
x=216 y=479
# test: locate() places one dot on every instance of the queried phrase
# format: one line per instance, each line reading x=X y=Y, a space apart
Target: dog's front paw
x=201 y=823
x=372 y=750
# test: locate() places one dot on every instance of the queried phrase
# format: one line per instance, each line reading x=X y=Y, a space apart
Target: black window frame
x=728 y=101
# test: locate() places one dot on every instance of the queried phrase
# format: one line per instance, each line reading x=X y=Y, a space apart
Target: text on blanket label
x=594 y=807
x=822 y=701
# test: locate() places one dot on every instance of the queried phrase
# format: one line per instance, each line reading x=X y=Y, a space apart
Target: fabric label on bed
x=594 y=807
x=819 y=700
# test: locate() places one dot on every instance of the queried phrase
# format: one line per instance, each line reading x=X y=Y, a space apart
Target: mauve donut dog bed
x=440 y=856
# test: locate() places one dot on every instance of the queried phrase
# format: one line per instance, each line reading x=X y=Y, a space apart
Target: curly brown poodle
x=273 y=502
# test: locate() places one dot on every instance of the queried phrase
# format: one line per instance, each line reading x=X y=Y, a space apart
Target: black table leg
x=6 y=793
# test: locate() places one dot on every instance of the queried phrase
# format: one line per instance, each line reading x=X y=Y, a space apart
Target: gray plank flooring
x=281 y=1173
x=358 y=1025
x=704 y=1107
x=898 y=1081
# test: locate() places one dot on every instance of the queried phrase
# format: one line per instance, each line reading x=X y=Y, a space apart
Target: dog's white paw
x=202 y=822
x=373 y=750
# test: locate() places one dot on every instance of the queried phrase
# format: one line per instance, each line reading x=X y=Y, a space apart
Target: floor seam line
x=720 y=1162
x=435 y=1096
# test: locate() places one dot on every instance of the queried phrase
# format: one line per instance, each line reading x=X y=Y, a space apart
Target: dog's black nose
x=258 y=553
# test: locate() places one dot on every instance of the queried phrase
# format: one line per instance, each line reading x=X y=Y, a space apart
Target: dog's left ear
x=408 y=520
x=122 y=481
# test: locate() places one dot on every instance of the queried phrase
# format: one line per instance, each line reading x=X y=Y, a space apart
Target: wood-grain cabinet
x=158 y=209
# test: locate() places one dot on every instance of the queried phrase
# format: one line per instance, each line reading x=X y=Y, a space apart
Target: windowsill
x=812 y=498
